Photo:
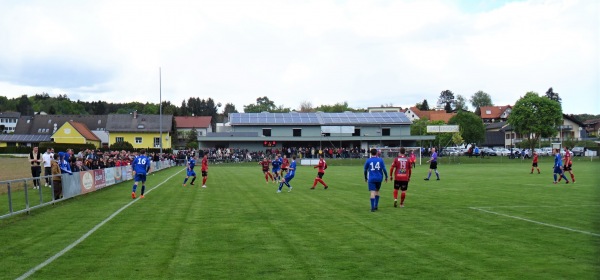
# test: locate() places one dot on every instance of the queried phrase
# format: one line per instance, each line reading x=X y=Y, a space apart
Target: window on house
x=156 y=142
x=507 y=136
x=356 y=132
x=297 y=132
x=488 y=112
x=119 y=139
x=138 y=140
x=266 y=132
x=385 y=131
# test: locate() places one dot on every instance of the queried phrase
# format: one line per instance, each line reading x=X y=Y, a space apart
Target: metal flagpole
x=160 y=109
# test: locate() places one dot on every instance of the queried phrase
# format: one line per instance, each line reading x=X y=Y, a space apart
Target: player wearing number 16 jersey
x=401 y=170
x=374 y=171
x=141 y=166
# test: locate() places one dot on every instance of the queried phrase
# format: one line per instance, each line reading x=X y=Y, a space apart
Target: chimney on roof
x=135 y=114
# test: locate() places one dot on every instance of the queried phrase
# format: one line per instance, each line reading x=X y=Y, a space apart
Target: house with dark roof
x=184 y=124
x=490 y=114
x=32 y=130
x=141 y=130
x=73 y=132
x=495 y=135
x=592 y=127
x=8 y=121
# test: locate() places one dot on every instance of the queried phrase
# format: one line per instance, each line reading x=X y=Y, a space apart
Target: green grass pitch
x=485 y=219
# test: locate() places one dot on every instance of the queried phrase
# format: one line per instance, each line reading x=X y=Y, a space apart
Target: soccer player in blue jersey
x=141 y=166
x=276 y=163
x=190 y=170
x=374 y=170
x=558 y=167
x=289 y=176
x=433 y=165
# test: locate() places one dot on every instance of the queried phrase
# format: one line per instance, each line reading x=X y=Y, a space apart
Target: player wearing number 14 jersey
x=401 y=170
x=374 y=170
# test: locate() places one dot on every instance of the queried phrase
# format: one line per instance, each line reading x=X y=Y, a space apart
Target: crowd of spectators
x=96 y=159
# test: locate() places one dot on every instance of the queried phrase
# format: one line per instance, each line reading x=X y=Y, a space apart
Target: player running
x=322 y=165
x=276 y=163
x=534 y=163
x=401 y=170
x=204 y=170
x=190 y=170
x=141 y=166
x=285 y=163
x=568 y=165
x=374 y=170
x=289 y=176
x=265 y=163
x=558 y=167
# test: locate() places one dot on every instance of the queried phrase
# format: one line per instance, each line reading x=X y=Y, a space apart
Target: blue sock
x=376 y=201
x=280 y=185
x=185 y=180
x=372 y=203
x=437 y=174
x=134 y=187
x=565 y=177
x=287 y=184
x=554 y=177
x=143 y=189
x=428 y=174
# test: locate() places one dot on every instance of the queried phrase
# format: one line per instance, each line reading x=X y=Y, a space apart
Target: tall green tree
x=471 y=126
x=263 y=104
x=423 y=106
x=534 y=116
x=447 y=99
x=461 y=103
x=480 y=99
x=335 y=108
x=553 y=95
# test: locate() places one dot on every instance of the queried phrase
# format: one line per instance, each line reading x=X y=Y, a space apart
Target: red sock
x=395 y=194
x=315 y=183
x=267 y=178
x=573 y=177
x=271 y=176
x=204 y=181
x=402 y=196
x=321 y=181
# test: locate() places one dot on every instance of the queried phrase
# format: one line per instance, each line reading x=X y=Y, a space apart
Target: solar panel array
x=318 y=118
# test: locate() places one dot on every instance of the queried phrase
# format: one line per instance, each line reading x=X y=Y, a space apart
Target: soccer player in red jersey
x=322 y=165
x=265 y=163
x=285 y=164
x=568 y=165
x=413 y=159
x=401 y=170
x=535 y=163
x=204 y=170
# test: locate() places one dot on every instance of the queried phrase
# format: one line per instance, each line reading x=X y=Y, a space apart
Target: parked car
x=578 y=151
x=488 y=152
x=546 y=151
x=502 y=151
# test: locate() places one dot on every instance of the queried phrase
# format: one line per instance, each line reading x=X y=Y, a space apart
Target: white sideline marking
x=85 y=236
x=535 y=222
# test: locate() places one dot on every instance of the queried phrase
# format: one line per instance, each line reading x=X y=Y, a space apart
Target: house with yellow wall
x=72 y=132
x=141 y=130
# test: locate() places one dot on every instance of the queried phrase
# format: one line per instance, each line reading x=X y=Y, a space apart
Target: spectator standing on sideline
x=374 y=170
x=433 y=165
x=141 y=166
x=36 y=170
x=47 y=158
x=56 y=177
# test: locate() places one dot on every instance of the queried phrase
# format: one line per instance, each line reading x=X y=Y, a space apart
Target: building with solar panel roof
x=255 y=131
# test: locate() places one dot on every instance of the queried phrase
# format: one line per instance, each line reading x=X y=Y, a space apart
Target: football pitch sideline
x=480 y=221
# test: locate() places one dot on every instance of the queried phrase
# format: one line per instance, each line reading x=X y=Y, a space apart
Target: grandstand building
x=256 y=131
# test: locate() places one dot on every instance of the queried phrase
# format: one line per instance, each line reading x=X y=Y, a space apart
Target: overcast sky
x=365 y=52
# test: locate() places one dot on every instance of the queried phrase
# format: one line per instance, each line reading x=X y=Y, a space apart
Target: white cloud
x=365 y=52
